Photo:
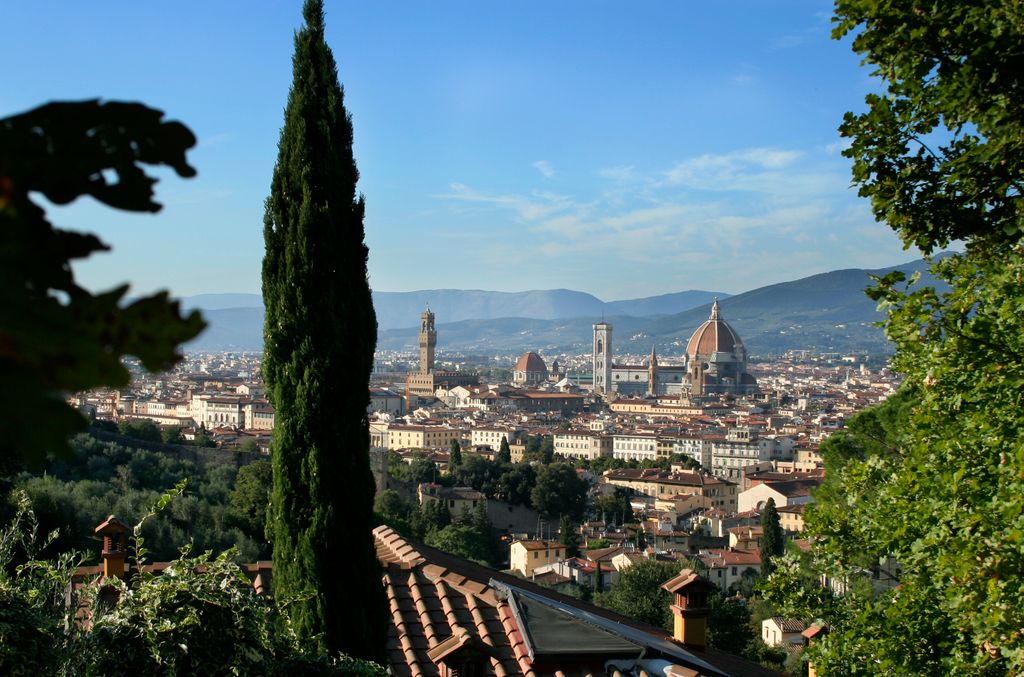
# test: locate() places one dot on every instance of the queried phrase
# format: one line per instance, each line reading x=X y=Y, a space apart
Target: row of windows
x=547 y=553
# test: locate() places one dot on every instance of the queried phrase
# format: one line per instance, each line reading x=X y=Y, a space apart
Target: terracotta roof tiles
x=439 y=614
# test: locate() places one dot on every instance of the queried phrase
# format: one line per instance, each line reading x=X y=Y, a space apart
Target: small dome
x=531 y=362
x=714 y=336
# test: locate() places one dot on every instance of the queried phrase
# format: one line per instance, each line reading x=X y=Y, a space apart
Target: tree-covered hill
x=223 y=505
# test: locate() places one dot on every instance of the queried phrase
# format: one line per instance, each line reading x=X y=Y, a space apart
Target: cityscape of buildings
x=697 y=443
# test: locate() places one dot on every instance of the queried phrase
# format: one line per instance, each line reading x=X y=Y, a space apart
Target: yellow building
x=525 y=556
x=791 y=518
x=582 y=444
x=459 y=500
x=421 y=436
x=658 y=483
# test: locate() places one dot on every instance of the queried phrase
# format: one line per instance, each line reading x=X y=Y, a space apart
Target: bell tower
x=652 y=373
x=602 y=357
x=428 y=339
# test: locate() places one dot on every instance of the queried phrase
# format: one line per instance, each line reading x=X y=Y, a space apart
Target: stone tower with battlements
x=428 y=341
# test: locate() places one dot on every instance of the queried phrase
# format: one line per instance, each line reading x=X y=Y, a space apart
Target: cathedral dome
x=531 y=362
x=714 y=336
x=530 y=370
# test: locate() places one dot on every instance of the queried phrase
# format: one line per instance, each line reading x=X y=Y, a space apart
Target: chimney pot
x=115 y=537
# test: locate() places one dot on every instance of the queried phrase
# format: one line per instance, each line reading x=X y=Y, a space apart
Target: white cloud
x=838 y=147
x=623 y=173
x=731 y=165
x=746 y=216
x=538 y=206
x=545 y=168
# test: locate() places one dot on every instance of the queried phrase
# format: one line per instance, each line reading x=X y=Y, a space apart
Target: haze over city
x=502 y=147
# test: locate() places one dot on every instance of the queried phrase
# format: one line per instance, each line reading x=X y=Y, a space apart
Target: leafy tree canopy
x=142 y=429
x=504 y=452
x=638 y=593
x=941 y=491
x=56 y=336
x=614 y=506
x=515 y=483
x=939 y=153
x=201 y=616
x=559 y=491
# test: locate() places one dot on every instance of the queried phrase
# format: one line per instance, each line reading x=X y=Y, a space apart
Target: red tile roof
x=441 y=604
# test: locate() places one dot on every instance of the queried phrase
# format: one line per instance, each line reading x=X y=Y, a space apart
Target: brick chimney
x=115 y=546
x=690 y=608
x=811 y=635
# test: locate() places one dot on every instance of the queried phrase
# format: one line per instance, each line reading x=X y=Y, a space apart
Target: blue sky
x=623 y=150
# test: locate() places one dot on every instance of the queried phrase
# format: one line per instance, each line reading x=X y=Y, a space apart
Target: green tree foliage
x=99 y=478
x=515 y=483
x=434 y=515
x=470 y=536
x=635 y=533
x=201 y=616
x=251 y=496
x=420 y=471
x=484 y=529
x=461 y=540
x=391 y=509
x=504 y=452
x=320 y=334
x=58 y=337
x=559 y=491
x=510 y=482
x=570 y=537
x=532 y=453
x=614 y=507
x=731 y=629
x=202 y=437
x=172 y=435
x=728 y=623
x=141 y=429
x=685 y=461
x=602 y=463
x=479 y=473
x=638 y=593
x=455 y=454
x=939 y=154
x=773 y=540
x=547 y=449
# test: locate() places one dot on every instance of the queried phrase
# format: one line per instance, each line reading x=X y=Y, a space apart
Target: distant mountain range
x=402 y=309
x=826 y=312
x=236 y=320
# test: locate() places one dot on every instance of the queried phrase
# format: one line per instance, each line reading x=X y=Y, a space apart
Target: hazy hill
x=822 y=312
x=402 y=309
x=826 y=312
x=236 y=320
x=665 y=304
x=222 y=301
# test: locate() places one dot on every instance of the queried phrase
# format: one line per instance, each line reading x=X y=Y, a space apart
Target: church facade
x=715 y=363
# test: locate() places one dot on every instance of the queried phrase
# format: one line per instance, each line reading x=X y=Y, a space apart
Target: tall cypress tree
x=773 y=540
x=319 y=338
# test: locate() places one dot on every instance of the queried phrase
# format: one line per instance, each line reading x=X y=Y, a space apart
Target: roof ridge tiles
x=429 y=631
